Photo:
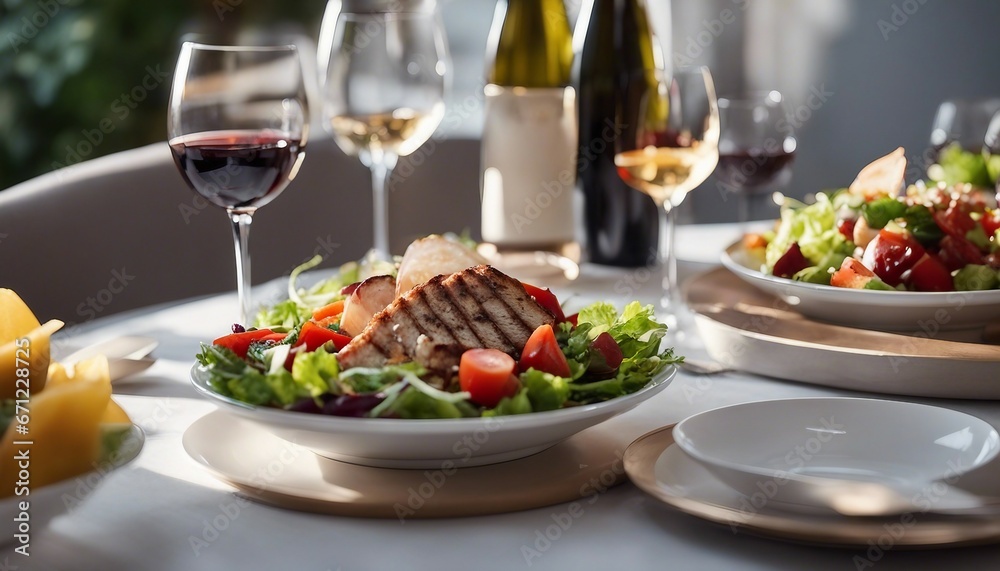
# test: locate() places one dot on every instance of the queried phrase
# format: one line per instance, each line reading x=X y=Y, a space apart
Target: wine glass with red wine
x=756 y=147
x=237 y=126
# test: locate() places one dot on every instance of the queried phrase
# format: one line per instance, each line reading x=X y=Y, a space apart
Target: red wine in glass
x=748 y=170
x=239 y=169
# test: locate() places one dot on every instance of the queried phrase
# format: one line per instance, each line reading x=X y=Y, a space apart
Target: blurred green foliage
x=84 y=78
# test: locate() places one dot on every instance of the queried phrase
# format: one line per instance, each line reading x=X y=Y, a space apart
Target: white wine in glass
x=667 y=149
x=383 y=66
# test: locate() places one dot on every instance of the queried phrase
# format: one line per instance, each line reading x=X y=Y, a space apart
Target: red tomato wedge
x=314 y=336
x=929 y=274
x=607 y=355
x=488 y=376
x=332 y=310
x=956 y=253
x=542 y=353
x=239 y=342
x=546 y=299
x=852 y=274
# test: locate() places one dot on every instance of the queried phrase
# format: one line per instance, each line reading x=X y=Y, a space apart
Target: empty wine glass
x=963 y=122
x=756 y=147
x=237 y=125
x=383 y=65
x=668 y=146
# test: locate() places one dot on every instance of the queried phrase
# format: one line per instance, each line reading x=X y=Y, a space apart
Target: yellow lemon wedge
x=16 y=317
x=882 y=177
x=33 y=355
x=64 y=426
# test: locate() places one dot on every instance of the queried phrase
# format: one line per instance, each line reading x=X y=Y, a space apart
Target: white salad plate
x=854 y=456
x=660 y=468
x=904 y=311
x=48 y=502
x=402 y=443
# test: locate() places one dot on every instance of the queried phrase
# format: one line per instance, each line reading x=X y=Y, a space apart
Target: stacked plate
x=842 y=471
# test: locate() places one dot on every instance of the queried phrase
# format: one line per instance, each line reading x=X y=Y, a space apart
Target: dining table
x=164 y=511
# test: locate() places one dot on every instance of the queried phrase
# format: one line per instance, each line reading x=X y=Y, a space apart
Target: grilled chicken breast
x=435 y=322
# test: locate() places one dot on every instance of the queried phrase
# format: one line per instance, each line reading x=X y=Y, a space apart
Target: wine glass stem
x=380 y=172
x=241 y=241
x=668 y=260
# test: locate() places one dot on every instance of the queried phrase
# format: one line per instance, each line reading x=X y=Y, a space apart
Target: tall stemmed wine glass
x=668 y=145
x=960 y=125
x=756 y=147
x=382 y=71
x=237 y=126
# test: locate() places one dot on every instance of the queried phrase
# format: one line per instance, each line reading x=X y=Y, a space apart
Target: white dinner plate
x=913 y=312
x=661 y=469
x=857 y=456
x=402 y=443
x=56 y=499
x=268 y=469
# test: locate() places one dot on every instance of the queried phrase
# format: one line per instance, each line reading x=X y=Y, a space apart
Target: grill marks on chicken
x=435 y=322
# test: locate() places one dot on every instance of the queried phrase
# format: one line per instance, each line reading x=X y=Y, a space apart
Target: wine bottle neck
x=531 y=44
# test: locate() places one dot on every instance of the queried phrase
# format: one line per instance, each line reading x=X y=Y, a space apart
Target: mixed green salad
x=934 y=237
x=288 y=360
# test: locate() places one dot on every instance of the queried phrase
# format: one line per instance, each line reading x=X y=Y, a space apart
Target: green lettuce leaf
x=316 y=372
x=813 y=226
x=517 y=404
x=545 y=391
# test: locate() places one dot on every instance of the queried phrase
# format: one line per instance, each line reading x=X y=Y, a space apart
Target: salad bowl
x=444 y=444
x=919 y=313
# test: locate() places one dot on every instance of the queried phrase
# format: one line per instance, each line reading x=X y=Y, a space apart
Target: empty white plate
x=855 y=456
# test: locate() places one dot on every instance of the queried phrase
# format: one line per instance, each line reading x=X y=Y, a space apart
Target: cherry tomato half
x=488 y=376
x=542 y=353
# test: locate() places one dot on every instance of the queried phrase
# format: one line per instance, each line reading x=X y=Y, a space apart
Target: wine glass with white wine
x=383 y=66
x=668 y=145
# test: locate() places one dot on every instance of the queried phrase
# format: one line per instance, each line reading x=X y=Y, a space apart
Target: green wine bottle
x=614 y=40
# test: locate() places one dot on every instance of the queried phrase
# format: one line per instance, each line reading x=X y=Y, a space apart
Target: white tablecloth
x=164 y=511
